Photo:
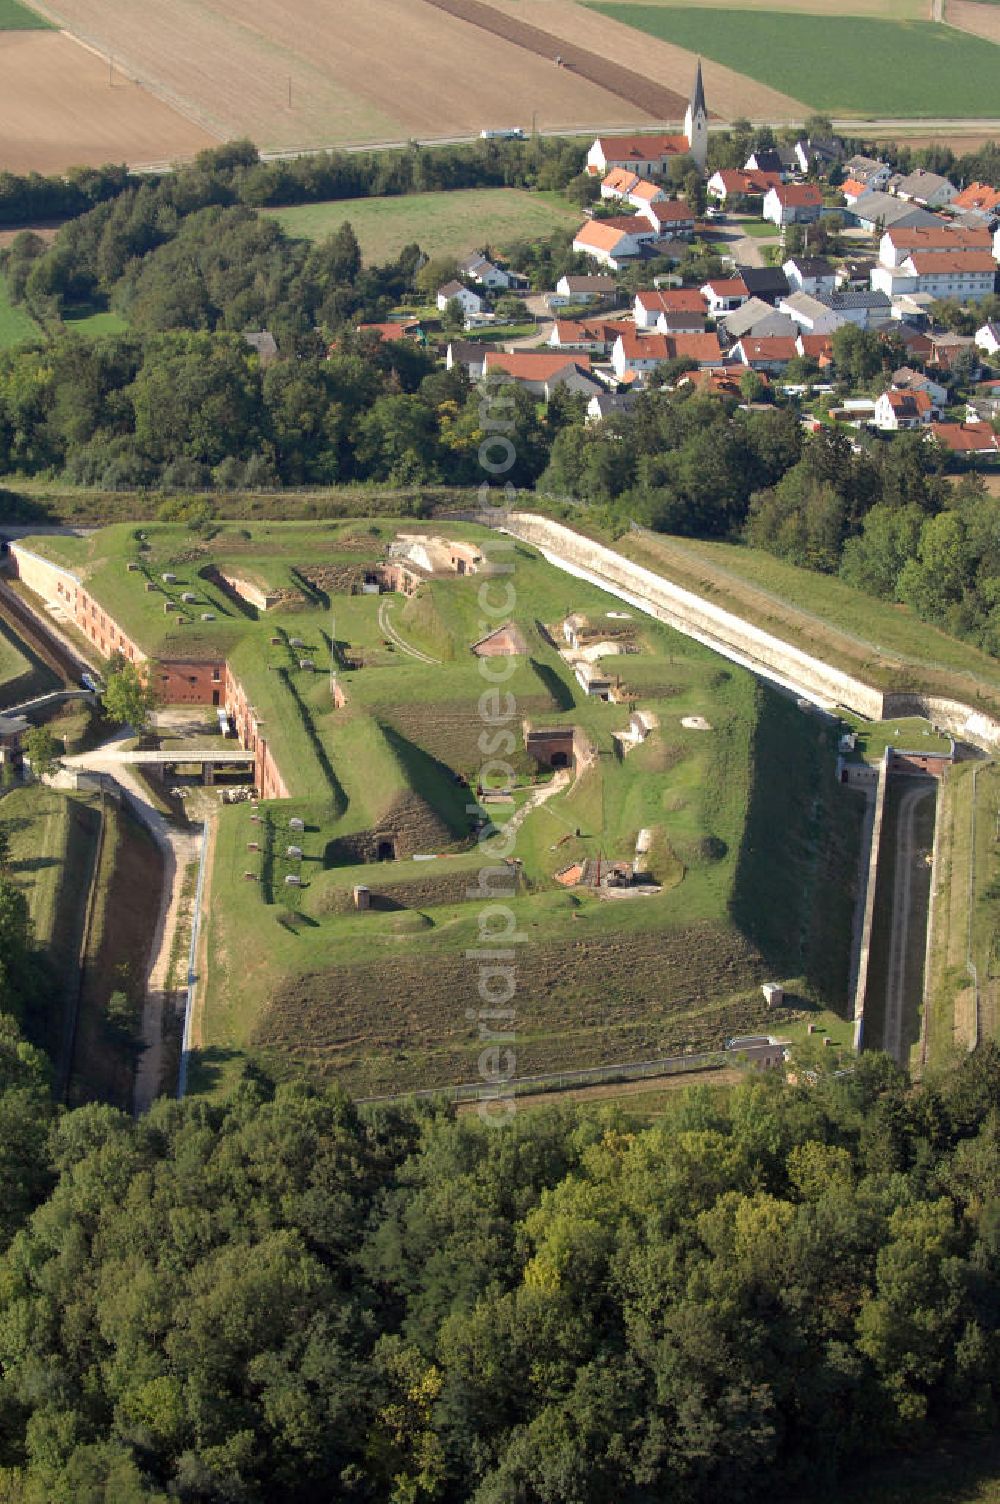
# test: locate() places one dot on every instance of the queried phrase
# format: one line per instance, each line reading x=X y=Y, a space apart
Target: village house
x=818 y=153
x=898 y=410
x=672 y=219
x=813 y=316
x=723 y=294
x=634 y=354
x=610 y=404
x=469 y=354
x=485 y=273
x=770 y=353
x=908 y=380
x=614 y=242
x=586 y=288
x=922 y=187
x=793 y=204
x=977 y=198
x=967 y=276
x=649 y=305
x=878 y=211
x=853 y=191
x=719 y=381
x=817 y=347
x=456 y=292
x=730 y=183
x=900 y=241
x=759 y=319
x=766 y=282
x=810 y=274
x=392 y=331
x=968 y=441
x=781 y=161
x=672 y=321
x=540 y=373
x=868 y=171
x=627 y=186
x=595 y=337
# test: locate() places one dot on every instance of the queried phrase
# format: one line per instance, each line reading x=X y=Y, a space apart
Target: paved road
x=910 y=856
x=846 y=126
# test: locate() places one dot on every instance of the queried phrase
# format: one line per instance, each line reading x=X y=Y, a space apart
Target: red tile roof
x=672 y=300
x=965 y=438
x=977 y=196
x=391 y=331
x=642 y=148
x=798 y=195
x=961 y=261
x=728 y=287
x=532 y=365
x=749 y=184
x=672 y=211
x=940 y=237
x=817 y=346
x=909 y=403
x=769 y=347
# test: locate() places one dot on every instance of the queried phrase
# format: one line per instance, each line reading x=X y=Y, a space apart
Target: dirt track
x=659 y=102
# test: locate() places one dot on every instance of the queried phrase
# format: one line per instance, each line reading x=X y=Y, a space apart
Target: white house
x=898 y=410
x=649 y=305
x=614 y=242
x=723 y=294
x=810 y=274
x=923 y=187
x=793 y=204
x=672 y=219
x=640 y=354
x=810 y=314
x=454 y=292
x=966 y=276
x=900 y=241
x=868 y=171
x=541 y=373
x=584 y=289
x=483 y=271
x=906 y=379
x=988 y=338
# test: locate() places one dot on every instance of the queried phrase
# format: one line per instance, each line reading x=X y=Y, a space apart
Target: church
x=650 y=156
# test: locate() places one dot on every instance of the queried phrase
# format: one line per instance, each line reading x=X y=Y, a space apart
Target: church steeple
x=696 y=121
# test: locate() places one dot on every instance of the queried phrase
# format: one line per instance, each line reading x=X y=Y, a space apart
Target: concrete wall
x=739 y=640
x=874 y=856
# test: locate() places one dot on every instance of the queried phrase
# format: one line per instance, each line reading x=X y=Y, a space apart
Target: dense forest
x=279 y=1296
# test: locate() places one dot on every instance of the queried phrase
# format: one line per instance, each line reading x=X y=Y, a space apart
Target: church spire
x=696 y=122
x=698 y=93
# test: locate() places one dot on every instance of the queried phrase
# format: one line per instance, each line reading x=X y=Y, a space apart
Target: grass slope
x=441 y=223
x=845 y=65
x=885 y=645
x=16 y=325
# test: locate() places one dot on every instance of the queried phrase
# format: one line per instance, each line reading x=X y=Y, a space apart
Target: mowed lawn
x=16 y=324
x=440 y=223
x=844 y=65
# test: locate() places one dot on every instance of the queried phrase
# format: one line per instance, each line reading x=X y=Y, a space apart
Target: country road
x=910 y=856
x=846 y=126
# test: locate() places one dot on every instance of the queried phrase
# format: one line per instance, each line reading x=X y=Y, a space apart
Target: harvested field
x=644 y=92
x=981 y=20
x=57 y=110
x=234 y=69
x=728 y=94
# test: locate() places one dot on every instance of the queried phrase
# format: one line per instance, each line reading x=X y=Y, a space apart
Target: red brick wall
x=182 y=681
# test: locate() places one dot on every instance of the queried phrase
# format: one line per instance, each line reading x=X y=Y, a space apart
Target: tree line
x=278 y=1295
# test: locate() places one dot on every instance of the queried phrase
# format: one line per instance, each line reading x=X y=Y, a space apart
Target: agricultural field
x=60 y=106
x=300 y=979
x=441 y=223
x=17 y=17
x=304 y=74
x=936 y=71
